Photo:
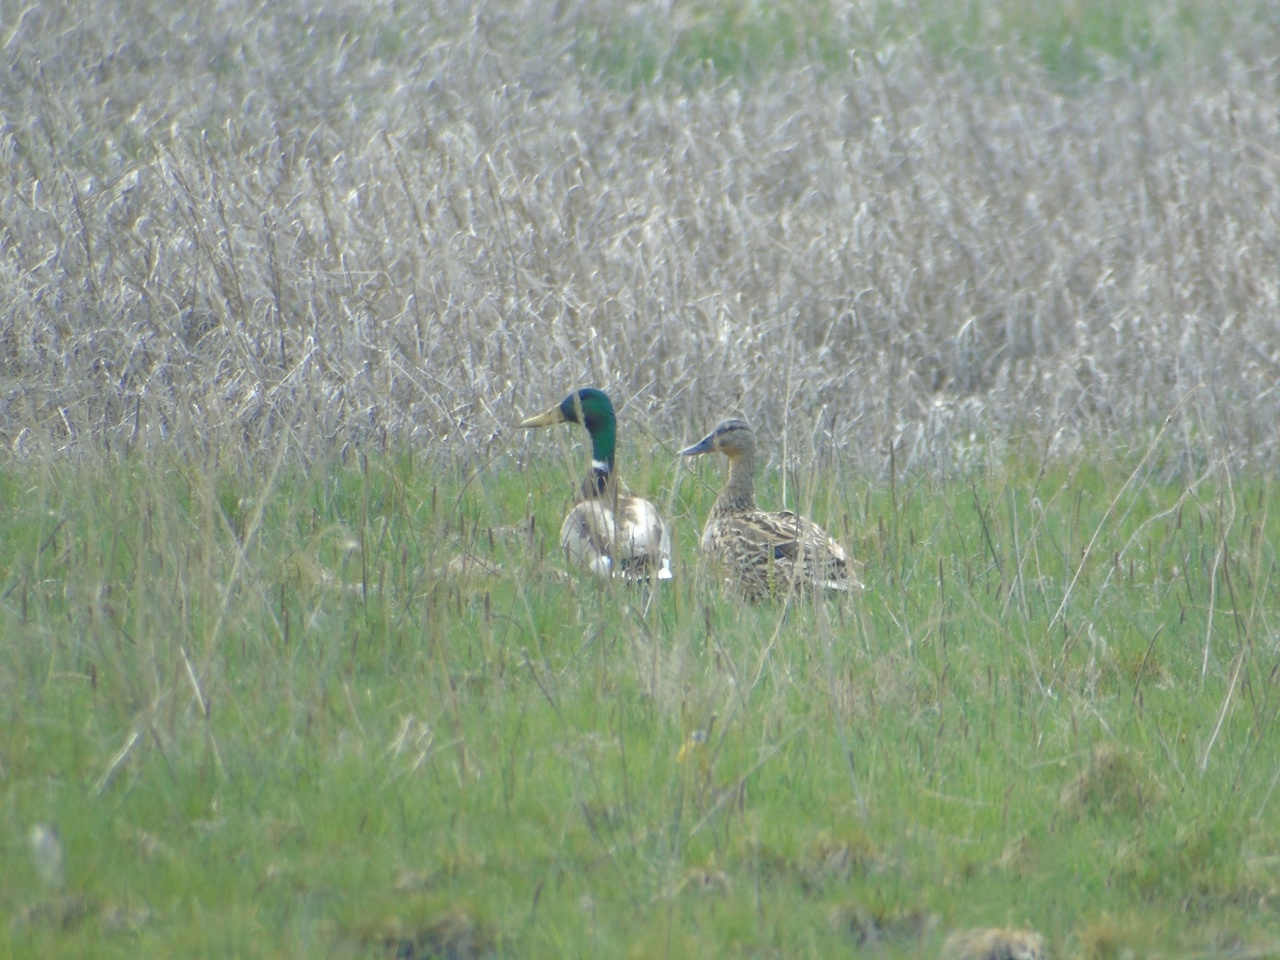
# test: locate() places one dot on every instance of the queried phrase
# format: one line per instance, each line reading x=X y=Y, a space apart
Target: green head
x=593 y=409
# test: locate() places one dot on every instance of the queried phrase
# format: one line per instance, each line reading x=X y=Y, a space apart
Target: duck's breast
x=587 y=536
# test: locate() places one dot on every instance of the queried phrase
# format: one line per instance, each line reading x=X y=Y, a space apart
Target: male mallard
x=764 y=554
x=607 y=530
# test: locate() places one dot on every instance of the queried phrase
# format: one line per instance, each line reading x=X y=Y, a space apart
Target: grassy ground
x=266 y=722
x=994 y=282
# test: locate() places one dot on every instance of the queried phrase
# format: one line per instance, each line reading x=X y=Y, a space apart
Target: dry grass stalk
x=225 y=228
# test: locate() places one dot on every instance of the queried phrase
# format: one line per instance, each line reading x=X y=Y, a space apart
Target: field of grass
x=289 y=663
x=266 y=722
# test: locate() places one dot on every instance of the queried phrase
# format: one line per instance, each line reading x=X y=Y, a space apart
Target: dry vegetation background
x=228 y=224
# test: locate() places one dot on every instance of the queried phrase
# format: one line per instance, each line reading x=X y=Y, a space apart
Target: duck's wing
x=643 y=545
x=632 y=541
x=769 y=553
x=815 y=556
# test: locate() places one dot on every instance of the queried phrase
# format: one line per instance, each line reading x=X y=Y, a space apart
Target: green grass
x=266 y=723
x=1072 y=41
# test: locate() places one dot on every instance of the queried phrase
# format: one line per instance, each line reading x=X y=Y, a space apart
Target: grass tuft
x=1109 y=784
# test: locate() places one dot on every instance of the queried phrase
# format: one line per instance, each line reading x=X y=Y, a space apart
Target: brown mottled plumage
x=764 y=554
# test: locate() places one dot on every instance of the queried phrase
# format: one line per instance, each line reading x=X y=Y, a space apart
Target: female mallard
x=607 y=530
x=765 y=554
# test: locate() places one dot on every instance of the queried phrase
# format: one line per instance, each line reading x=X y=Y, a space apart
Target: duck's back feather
x=601 y=533
x=767 y=554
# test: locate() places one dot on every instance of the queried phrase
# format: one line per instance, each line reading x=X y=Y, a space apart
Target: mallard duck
x=764 y=554
x=607 y=530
